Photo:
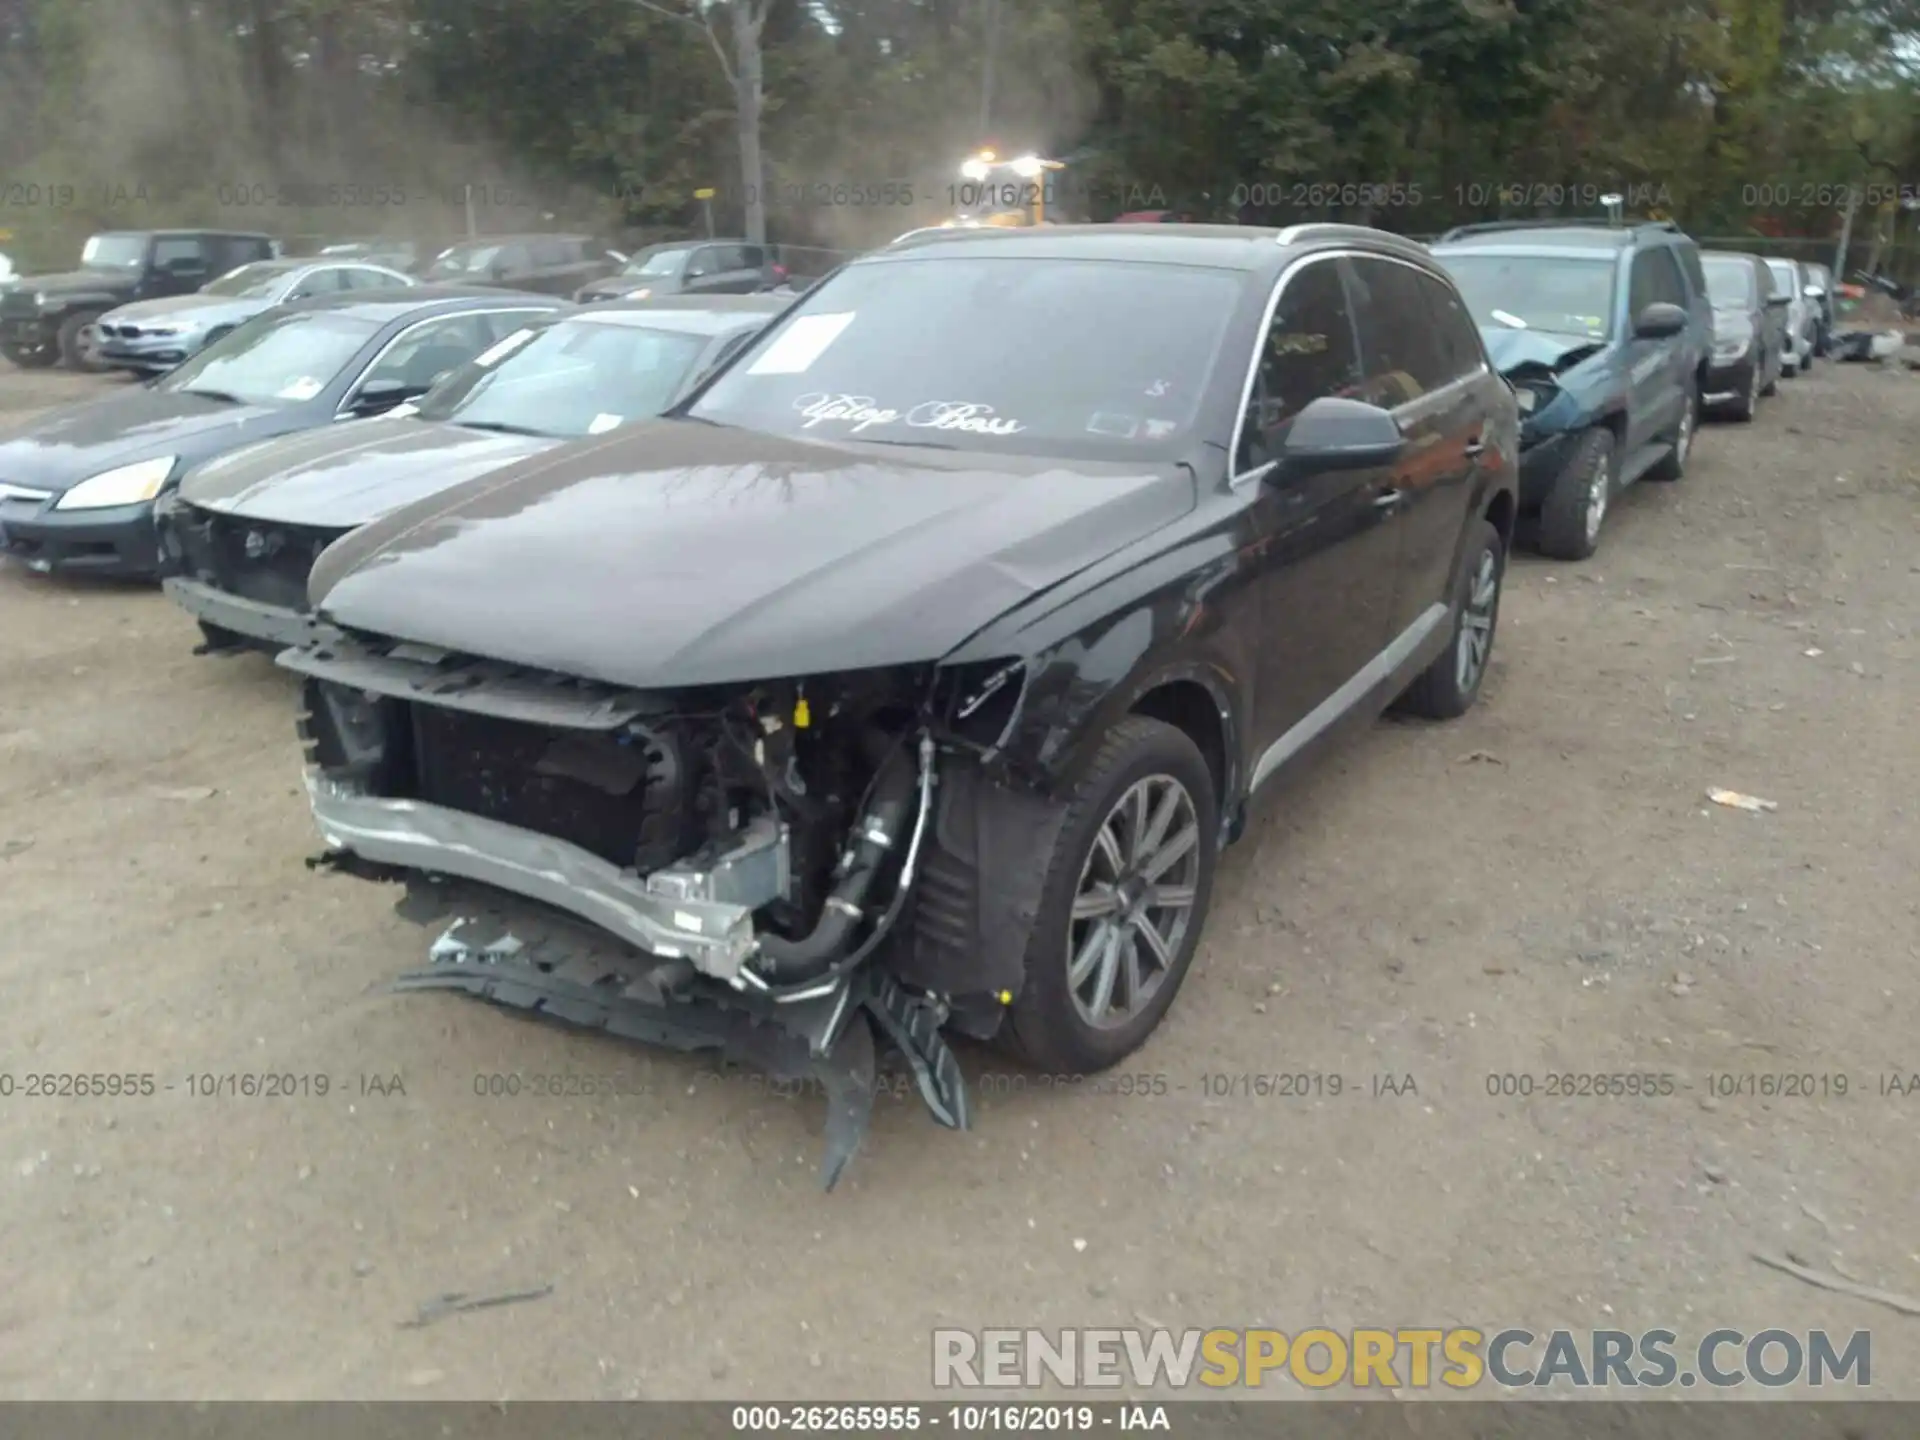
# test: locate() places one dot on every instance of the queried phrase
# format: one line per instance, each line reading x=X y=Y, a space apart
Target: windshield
x=256 y=281
x=667 y=262
x=274 y=359
x=1564 y=296
x=1084 y=358
x=114 y=252
x=1730 y=282
x=466 y=260
x=574 y=378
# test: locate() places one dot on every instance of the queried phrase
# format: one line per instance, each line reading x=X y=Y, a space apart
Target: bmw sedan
x=78 y=485
x=153 y=336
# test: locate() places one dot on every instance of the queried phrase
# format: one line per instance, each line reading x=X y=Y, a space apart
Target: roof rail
x=1558 y=222
x=1326 y=231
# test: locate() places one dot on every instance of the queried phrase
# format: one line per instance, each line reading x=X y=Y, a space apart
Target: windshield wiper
x=909 y=444
x=500 y=427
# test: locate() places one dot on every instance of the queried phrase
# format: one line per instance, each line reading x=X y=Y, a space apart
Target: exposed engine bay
x=728 y=869
x=1537 y=385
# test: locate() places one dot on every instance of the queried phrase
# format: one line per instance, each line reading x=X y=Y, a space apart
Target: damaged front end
x=732 y=869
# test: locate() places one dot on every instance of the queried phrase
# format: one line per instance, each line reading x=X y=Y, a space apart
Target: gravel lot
x=1542 y=887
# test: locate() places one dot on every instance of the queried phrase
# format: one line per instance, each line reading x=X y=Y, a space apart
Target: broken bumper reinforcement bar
x=257 y=621
x=659 y=914
x=519 y=956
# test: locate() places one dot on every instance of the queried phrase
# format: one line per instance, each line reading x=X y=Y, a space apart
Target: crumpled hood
x=344 y=475
x=1510 y=349
x=672 y=553
x=62 y=448
x=201 y=309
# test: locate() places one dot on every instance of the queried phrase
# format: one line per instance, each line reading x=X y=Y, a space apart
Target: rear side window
x=1690 y=262
x=1458 y=336
x=556 y=252
x=169 y=248
x=1308 y=352
x=1656 y=280
x=1401 y=354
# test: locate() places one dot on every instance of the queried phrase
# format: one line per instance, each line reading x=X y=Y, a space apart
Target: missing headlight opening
x=752 y=851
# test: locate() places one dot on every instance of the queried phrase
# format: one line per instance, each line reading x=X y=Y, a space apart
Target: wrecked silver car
x=883 y=689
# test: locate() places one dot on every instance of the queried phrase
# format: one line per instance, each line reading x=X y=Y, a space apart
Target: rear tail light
x=779 y=272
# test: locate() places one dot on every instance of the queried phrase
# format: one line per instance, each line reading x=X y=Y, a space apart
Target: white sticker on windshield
x=859 y=411
x=965 y=415
x=305 y=388
x=800 y=344
x=603 y=423
x=500 y=349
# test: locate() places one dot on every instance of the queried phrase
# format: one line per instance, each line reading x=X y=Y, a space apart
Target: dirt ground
x=1542 y=887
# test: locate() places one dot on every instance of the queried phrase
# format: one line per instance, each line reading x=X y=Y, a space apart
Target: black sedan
x=909 y=675
x=77 y=487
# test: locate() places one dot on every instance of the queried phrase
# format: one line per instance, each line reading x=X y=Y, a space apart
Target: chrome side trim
x=22 y=492
x=1376 y=671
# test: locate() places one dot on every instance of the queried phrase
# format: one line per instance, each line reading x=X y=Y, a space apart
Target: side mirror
x=380 y=396
x=1659 y=321
x=1334 y=433
x=1815 y=292
x=1779 y=302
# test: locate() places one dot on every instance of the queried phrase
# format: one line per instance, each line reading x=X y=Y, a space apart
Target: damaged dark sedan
x=888 y=689
x=240 y=534
x=78 y=486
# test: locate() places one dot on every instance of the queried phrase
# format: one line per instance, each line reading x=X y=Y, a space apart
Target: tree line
x=839 y=123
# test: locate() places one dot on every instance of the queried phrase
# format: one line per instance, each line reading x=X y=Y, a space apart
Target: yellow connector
x=802 y=716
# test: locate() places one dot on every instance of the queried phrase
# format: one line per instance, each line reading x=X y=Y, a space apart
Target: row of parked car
x=148 y=300
x=783 y=675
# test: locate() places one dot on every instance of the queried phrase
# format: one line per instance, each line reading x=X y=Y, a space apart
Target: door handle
x=1475 y=447
x=1387 y=499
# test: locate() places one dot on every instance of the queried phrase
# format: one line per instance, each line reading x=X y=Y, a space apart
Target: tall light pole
x=986 y=66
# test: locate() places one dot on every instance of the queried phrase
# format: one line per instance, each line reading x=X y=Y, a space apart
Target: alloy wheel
x=1476 y=622
x=1753 y=389
x=1135 y=901
x=1599 y=493
x=1683 y=441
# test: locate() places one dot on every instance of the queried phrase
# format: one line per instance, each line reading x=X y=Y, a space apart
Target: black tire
x=220 y=639
x=1571 y=515
x=1674 y=463
x=1448 y=687
x=76 y=345
x=1748 y=404
x=26 y=359
x=1046 y=1027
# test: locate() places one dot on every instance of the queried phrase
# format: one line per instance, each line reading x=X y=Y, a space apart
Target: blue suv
x=1605 y=332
